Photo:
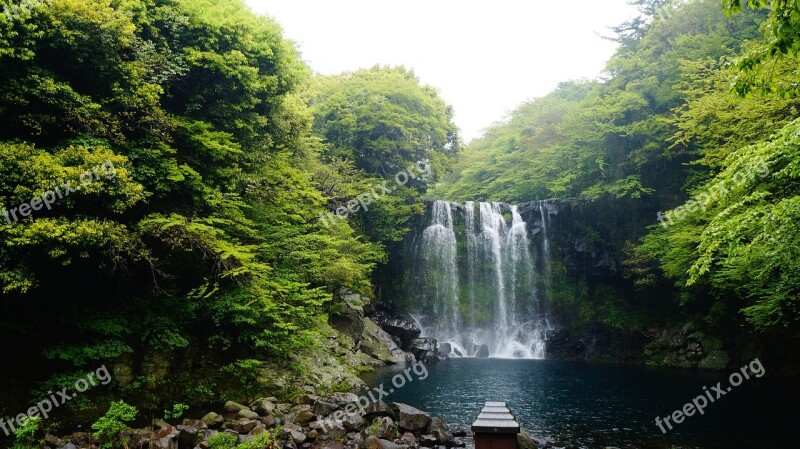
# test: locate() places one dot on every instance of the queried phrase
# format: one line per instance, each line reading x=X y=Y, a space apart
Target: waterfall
x=476 y=286
x=439 y=255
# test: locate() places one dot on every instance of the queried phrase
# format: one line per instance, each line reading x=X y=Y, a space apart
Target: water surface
x=596 y=404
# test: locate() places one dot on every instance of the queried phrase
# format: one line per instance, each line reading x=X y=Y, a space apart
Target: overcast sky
x=485 y=57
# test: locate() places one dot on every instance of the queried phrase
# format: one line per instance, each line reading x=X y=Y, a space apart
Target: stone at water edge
x=438 y=429
x=410 y=418
x=427 y=441
x=482 y=352
x=525 y=440
x=445 y=349
x=323 y=408
x=384 y=428
x=378 y=409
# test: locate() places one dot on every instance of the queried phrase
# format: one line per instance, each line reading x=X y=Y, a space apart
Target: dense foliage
x=163 y=189
x=664 y=130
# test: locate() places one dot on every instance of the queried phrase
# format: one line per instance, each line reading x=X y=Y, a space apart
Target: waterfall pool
x=598 y=405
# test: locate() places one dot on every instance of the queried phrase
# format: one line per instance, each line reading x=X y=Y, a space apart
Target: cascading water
x=477 y=287
x=439 y=250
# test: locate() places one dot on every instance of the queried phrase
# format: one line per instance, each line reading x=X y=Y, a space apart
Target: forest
x=184 y=199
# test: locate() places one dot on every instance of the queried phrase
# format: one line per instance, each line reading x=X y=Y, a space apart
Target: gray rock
x=424 y=349
x=213 y=420
x=409 y=418
x=378 y=344
x=342 y=399
x=438 y=429
x=384 y=428
x=69 y=446
x=269 y=421
x=408 y=438
x=386 y=444
x=327 y=444
x=482 y=351
x=300 y=414
x=234 y=407
x=248 y=414
x=242 y=425
x=166 y=438
x=525 y=440
x=403 y=326
x=427 y=441
x=138 y=437
x=53 y=441
x=323 y=408
x=263 y=406
x=377 y=409
x=352 y=421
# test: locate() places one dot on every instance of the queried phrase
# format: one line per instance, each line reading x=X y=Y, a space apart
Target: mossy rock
x=716 y=360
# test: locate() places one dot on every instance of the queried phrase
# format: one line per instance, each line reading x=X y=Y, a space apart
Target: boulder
x=386 y=444
x=377 y=409
x=525 y=440
x=482 y=351
x=342 y=399
x=190 y=433
x=327 y=444
x=300 y=414
x=242 y=425
x=269 y=421
x=438 y=429
x=53 y=441
x=347 y=316
x=424 y=349
x=402 y=326
x=234 y=407
x=384 y=428
x=323 y=408
x=138 y=437
x=378 y=344
x=352 y=421
x=263 y=406
x=427 y=441
x=408 y=438
x=409 y=418
x=248 y=414
x=166 y=438
x=213 y=420
x=445 y=349
x=305 y=398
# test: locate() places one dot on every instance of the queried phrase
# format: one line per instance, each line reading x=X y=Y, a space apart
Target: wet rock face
x=424 y=349
x=402 y=326
x=597 y=342
x=378 y=344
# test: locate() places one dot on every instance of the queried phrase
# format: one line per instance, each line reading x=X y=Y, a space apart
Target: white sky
x=484 y=57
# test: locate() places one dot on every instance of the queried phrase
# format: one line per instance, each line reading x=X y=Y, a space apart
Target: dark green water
x=595 y=405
